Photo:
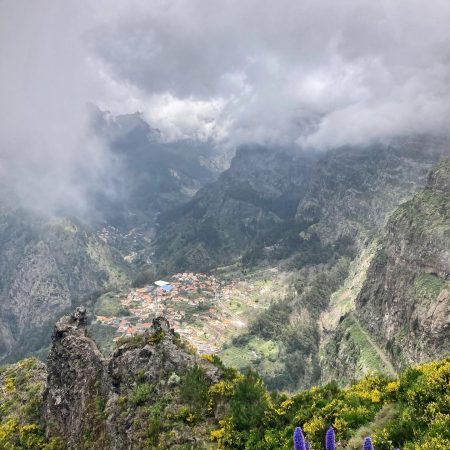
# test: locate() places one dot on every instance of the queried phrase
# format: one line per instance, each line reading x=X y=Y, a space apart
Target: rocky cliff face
x=46 y=267
x=405 y=302
x=98 y=403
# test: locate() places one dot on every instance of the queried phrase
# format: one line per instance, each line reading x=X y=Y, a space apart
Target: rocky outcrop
x=97 y=403
x=75 y=373
x=405 y=302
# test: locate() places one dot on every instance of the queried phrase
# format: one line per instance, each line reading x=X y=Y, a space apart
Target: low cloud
x=50 y=158
x=313 y=74
x=316 y=73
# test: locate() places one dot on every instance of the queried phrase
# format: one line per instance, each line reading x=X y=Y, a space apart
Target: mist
x=309 y=74
x=50 y=157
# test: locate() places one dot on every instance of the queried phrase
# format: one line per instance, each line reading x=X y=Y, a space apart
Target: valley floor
x=206 y=310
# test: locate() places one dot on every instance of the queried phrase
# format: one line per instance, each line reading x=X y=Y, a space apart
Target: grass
x=257 y=351
x=141 y=394
x=428 y=286
x=428 y=209
x=109 y=305
x=264 y=349
x=342 y=301
x=369 y=357
x=237 y=357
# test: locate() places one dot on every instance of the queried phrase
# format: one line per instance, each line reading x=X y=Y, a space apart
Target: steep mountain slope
x=260 y=191
x=405 y=302
x=400 y=313
x=354 y=189
x=151 y=176
x=46 y=267
x=269 y=205
x=359 y=188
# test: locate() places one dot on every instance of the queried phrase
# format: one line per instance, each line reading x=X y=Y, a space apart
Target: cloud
x=49 y=156
x=310 y=73
x=319 y=73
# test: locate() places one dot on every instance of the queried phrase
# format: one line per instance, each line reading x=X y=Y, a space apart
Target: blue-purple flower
x=330 y=440
x=368 y=444
x=299 y=439
x=307 y=445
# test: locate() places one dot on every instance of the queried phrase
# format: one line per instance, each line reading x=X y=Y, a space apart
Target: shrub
x=194 y=387
x=141 y=394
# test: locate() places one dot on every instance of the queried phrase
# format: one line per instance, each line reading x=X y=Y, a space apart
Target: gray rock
x=84 y=395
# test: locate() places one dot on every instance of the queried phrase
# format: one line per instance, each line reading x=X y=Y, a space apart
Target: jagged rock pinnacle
x=81 y=380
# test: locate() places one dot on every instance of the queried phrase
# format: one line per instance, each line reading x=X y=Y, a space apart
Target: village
x=202 y=309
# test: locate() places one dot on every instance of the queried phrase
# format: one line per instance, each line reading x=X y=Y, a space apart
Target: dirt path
x=375 y=346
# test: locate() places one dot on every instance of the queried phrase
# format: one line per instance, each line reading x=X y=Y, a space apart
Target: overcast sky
x=304 y=73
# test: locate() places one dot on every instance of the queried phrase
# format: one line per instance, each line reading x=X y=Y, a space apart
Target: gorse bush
x=411 y=413
x=21 y=388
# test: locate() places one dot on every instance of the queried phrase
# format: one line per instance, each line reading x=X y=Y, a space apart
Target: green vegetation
x=109 y=305
x=428 y=286
x=369 y=357
x=194 y=387
x=21 y=424
x=282 y=337
x=139 y=340
x=141 y=394
x=428 y=209
x=362 y=355
x=411 y=412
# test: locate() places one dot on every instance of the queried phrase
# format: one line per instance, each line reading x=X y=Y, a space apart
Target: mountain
x=273 y=205
x=328 y=249
x=405 y=301
x=313 y=216
x=352 y=192
x=150 y=176
x=50 y=264
x=153 y=392
x=256 y=195
x=47 y=266
x=147 y=177
x=354 y=189
x=399 y=313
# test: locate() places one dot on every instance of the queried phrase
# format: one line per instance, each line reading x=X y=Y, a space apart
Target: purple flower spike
x=368 y=444
x=307 y=445
x=329 y=441
x=299 y=440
